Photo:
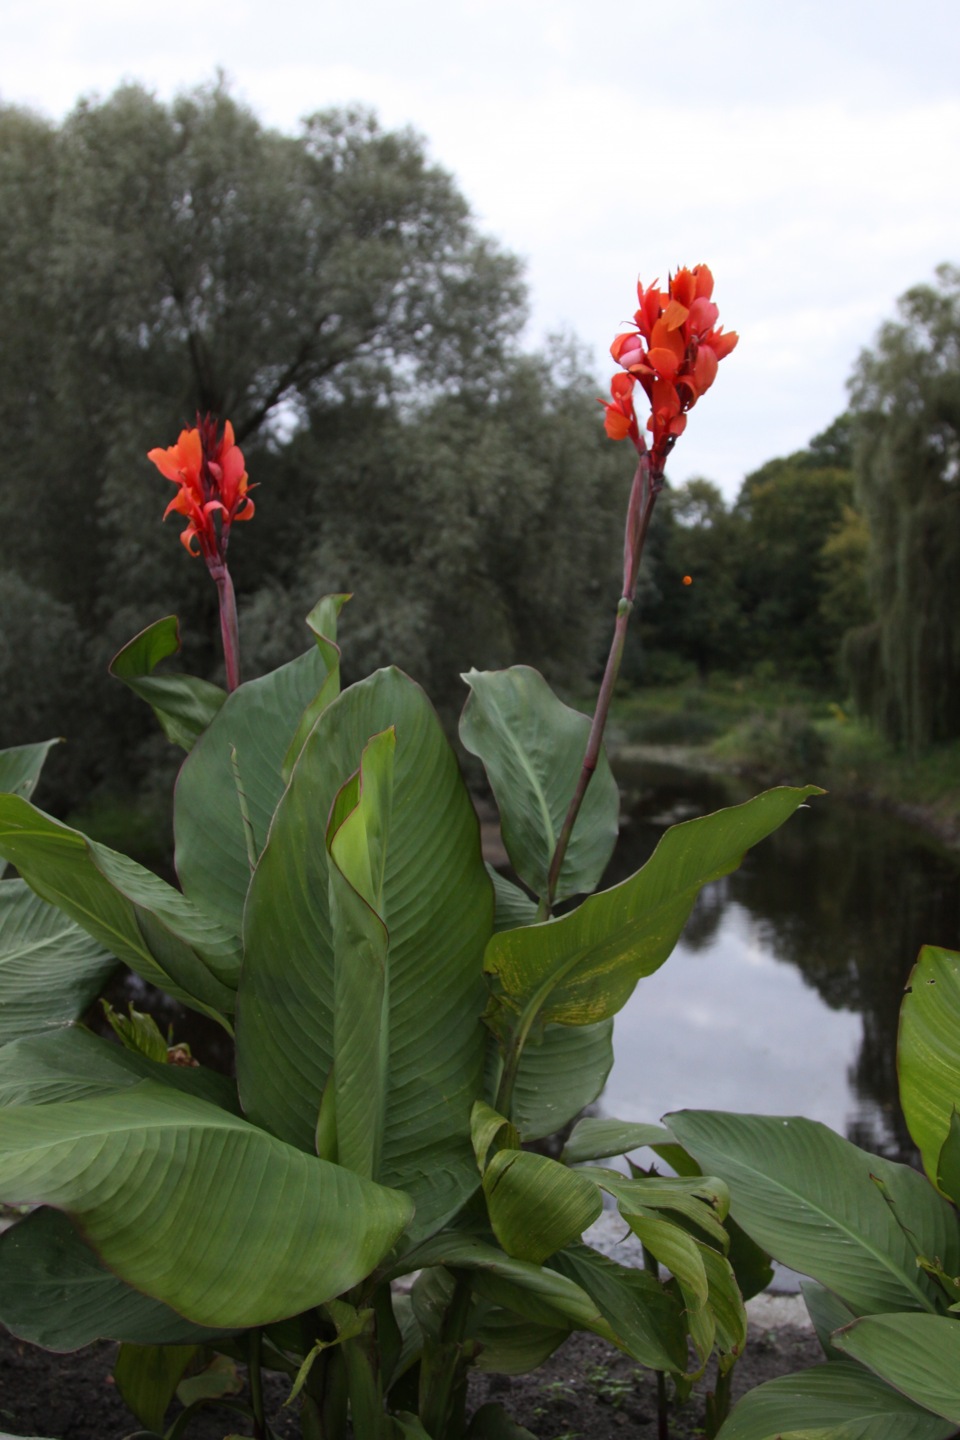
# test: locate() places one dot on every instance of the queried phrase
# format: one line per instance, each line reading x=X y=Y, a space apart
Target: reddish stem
x=229 y=629
x=643 y=495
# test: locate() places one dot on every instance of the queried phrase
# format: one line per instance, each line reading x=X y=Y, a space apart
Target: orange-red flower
x=620 y=418
x=213 y=487
x=673 y=350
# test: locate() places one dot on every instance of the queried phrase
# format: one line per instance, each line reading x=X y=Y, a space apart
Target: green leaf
x=50 y=969
x=511 y=1345
x=20 y=767
x=584 y=966
x=358 y=839
x=532 y=747
x=55 y=1292
x=137 y=1031
x=487 y=1129
x=73 y=1064
x=261 y=724
x=749 y=1262
x=812 y=1200
x=561 y=1076
x=183 y=704
x=491 y=1422
x=142 y=1172
x=541 y=1295
x=919 y=1355
x=219 y=1378
x=513 y=906
x=596 y=1139
x=928 y=1051
x=702 y=1201
x=322 y=621
x=948 y=1165
x=437 y=909
x=145 y=922
x=827 y=1313
x=147 y=1377
x=728 y=1315
x=837 y=1401
x=536 y=1205
x=645 y=1319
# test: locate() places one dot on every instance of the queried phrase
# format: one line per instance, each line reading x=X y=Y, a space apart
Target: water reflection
x=784 y=992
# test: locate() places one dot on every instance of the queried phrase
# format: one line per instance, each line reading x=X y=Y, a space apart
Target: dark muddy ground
x=586 y=1391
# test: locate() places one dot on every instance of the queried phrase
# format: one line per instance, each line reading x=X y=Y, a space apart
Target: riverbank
x=786 y=735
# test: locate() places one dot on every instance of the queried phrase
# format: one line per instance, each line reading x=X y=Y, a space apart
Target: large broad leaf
x=827 y=1313
x=183 y=704
x=233 y=777
x=918 y=1355
x=50 y=969
x=437 y=912
x=509 y=1344
x=147 y=1377
x=73 y=1064
x=596 y=1139
x=512 y=906
x=541 y=1295
x=561 y=1076
x=137 y=916
x=197 y=1208
x=838 y=1401
x=55 y=1292
x=928 y=1051
x=358 y=842
x=532 y=747
x=20 y=767
x=536 y=1205
x=826 y=1208
x=583 y=967
x=645 y=1317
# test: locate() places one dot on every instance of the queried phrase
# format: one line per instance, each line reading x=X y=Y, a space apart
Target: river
x=783 y=994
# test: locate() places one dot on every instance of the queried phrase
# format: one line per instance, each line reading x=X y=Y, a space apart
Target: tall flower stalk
x=213 y=491
x=673 y=350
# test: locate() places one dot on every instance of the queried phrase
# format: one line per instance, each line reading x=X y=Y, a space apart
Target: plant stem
x=254 y=1348
x=643 y=495
x=663 y=1416
x=652 y=1266
x=229 y=629
x=718 y=1403
x=443 y=1378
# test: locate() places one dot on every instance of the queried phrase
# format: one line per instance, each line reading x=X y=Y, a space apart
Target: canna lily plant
x=405 y=1020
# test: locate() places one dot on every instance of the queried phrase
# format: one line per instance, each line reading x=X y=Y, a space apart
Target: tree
x=158 y=260
x=789 y=509
x=690 y=608
x=475 y=530
x=905 y=395
x=193 y=260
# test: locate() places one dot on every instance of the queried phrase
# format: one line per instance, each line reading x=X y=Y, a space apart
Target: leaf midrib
x=885 y=1261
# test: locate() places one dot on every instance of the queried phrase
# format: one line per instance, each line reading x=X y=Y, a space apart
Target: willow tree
x=905 y=664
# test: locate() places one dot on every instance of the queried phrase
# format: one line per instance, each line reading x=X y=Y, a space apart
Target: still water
x=783 y=994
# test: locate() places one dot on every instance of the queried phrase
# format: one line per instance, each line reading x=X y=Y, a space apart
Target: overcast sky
x=807 y=152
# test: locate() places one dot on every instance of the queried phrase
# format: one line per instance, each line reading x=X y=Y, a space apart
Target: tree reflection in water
x=843 y=894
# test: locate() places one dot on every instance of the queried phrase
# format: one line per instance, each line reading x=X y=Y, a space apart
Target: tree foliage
x=331 y=294
x=775 y=579
x=906 y=402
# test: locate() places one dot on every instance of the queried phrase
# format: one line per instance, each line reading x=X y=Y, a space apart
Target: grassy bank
x=784 y=733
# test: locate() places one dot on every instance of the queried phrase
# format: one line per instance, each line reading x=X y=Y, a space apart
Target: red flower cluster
x=673 y=351
x=209 y=469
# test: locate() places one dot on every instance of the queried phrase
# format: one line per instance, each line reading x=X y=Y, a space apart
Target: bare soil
x=586 y=1391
